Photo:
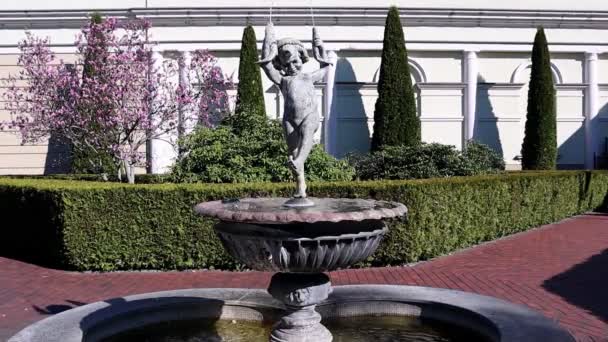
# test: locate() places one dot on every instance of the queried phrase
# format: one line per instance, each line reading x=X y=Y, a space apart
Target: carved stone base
x=300 y=292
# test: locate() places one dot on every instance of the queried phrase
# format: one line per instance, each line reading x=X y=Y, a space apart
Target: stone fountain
x=299 y=238
x=300 y=244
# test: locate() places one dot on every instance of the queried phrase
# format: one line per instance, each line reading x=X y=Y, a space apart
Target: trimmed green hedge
x=113 y=226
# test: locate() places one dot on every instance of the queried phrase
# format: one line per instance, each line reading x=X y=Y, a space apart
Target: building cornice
x=324 y=16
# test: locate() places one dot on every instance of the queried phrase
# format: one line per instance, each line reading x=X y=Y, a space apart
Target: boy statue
x=282 y=62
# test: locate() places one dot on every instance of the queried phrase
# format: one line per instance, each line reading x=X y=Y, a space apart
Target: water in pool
x=356 y=329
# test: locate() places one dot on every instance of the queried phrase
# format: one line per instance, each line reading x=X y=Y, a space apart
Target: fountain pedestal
x=300 y=243
x=300 y=293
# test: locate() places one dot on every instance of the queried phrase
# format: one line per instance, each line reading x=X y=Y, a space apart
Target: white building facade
x=469 y=59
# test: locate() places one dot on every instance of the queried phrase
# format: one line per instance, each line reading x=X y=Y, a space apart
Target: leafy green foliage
x=426 y=161
x=539 y=149
x=257 y=154
x=396 y=120
x=482 y=158
x=113 y=226
x=250 y=94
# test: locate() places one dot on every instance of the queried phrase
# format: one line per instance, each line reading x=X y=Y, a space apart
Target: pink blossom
x=121 y=102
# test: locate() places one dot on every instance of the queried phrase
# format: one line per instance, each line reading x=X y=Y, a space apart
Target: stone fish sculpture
x=282 y=62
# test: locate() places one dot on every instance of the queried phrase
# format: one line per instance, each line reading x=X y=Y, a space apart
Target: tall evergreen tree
x=396 y=121
x=93 y=161
x=539 y=149
x=250 y=94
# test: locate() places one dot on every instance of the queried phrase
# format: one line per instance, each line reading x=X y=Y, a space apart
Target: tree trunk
x=129 y=168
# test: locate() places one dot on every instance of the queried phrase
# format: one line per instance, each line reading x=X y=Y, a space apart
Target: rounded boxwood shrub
x=257 y=154
x=426 y=161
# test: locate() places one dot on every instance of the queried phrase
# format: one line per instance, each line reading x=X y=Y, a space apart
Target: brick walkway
x=559 y=269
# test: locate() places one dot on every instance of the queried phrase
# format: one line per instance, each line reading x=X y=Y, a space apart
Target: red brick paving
x=559 y=269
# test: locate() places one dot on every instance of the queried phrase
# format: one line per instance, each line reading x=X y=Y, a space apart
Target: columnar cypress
x=92 y=53
x=539 y=149
x=91 y=161
x=250 y=94
x=395 y=119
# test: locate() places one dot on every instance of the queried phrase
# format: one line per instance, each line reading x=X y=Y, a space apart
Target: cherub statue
x=282 y=62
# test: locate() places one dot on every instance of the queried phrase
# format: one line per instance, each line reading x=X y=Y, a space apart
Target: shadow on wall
x=352 y=133
x=486 y=122
x=58 y=158
x=575 y=144
x=602 y=158
x=584 y=285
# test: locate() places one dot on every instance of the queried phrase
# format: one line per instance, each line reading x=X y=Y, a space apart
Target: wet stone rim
x=270 y=210
x=508 y=322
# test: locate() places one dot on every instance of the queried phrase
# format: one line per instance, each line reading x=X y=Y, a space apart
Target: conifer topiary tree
x=91 y=160
x=250 y=95
x=395 y=118
x=539 y=149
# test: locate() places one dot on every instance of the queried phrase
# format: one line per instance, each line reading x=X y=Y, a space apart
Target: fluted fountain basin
x=301 y=247
x=267 y=236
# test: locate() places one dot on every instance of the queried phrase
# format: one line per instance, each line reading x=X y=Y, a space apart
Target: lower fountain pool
x=345 y=329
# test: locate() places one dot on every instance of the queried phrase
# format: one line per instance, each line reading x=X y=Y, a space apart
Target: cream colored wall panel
x=369 y=96
x=443 y=132
x=570 y=104
x=602 y=68
x=570 y=67
x=357 y=66
x=441 y=106
x=499 y=106
x=229 y=64
x=441 y=67
x=28 y=149
x=570 y=142
x=4 y=114
x=8 y=59
x=22 y=171
x=25 y=160
x=499 y=67
x=511 y=135
x=12 y=138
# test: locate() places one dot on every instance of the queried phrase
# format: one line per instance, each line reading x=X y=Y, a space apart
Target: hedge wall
x=113 y=226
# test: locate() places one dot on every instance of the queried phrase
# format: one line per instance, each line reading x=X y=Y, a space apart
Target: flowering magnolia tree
x=114 y=98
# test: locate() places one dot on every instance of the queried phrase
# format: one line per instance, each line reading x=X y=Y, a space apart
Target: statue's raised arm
x=320 y=54
x=269 y=52
x=318 y=50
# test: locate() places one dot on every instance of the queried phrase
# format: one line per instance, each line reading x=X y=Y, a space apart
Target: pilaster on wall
x=163 y=151
x=470 y=79
x=160 y=150
x=592 y=134
x=186 y=121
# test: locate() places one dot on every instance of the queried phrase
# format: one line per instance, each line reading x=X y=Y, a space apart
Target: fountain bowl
x=266 y=235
